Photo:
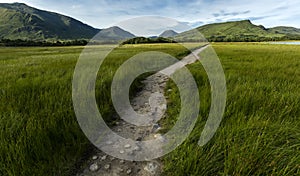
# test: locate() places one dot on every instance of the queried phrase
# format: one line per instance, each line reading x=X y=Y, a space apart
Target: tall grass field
x=39 y=132
x=259 y=133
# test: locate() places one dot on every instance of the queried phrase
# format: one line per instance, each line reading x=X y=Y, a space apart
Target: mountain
x=113 y=34
x=168 y=33
x=239 y=31
x=19 y=21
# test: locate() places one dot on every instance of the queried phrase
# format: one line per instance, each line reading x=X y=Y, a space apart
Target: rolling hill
x=240 y=31
x=113 y=34
x=285 y=30
x=168 y=33
x=19 y=21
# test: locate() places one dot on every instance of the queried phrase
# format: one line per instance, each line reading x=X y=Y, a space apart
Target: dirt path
x=150 y=100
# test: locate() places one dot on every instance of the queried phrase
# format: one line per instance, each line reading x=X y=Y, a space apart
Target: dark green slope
x=19 y=21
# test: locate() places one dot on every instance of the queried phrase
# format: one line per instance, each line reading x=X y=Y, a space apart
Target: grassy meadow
x=39 y=132
x=259 y=134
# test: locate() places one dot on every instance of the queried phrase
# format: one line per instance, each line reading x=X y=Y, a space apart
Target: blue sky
x=191 y=13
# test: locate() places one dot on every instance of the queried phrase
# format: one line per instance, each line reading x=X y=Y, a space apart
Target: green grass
x=259 y=133
x=39 y=132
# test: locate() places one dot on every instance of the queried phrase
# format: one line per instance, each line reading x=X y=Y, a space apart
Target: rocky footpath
x=150 y=100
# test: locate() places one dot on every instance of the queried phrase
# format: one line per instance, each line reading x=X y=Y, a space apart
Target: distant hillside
x=239 y=31
x=19 y=21
x=113 y=34
x=285 y=30
x=168 y=33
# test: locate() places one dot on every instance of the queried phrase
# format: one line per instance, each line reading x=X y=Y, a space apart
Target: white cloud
x=266 y=12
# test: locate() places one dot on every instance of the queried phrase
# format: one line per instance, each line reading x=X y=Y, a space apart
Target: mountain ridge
x=20 y=21
x=243 y=30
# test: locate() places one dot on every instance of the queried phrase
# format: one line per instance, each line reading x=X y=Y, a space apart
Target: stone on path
x=103 y=157
x=107 y=166
x=151 y=168
x=128 y=171
x=127 y=146
x=155 y=128
x=109 y=142
x=94 y=167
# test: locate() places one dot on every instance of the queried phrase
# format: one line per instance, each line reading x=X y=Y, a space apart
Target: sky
x=172 y=14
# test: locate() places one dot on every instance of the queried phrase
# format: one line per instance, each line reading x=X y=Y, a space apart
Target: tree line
x=141 y=40
x=20 y=42
x=251 y=38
